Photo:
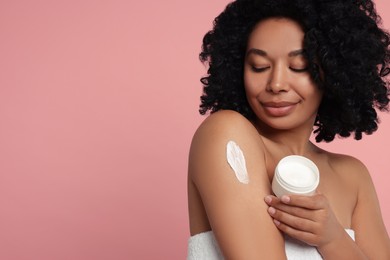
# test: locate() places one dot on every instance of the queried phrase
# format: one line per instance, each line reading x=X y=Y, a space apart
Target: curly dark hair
x=343 y=39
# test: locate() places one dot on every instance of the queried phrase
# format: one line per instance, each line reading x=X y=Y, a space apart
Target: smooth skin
x=248 y=222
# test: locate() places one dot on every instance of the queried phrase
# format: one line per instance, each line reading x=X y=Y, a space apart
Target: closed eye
x=255 y=69
x=299 y=70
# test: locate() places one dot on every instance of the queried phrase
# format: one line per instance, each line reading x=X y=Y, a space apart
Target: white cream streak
x=236 y=160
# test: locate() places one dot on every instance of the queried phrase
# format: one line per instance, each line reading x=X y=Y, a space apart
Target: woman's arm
x=236 y=212
x=371 y=234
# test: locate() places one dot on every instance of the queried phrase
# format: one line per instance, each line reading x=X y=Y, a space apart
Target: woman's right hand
x=311 y=219
x=306 y=218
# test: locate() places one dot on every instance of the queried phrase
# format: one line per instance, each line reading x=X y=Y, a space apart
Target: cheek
x=314 y=95
x=252 y=84
x=307 y=87
x=251 y=90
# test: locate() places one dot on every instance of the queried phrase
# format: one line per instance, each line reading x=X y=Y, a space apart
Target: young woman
x=276 y=69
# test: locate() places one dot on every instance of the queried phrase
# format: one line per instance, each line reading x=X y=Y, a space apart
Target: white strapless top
x=203 y=246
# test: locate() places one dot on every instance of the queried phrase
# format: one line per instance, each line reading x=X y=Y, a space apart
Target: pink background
x=98 y=104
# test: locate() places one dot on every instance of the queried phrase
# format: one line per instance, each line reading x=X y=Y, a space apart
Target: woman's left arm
x=371 y=234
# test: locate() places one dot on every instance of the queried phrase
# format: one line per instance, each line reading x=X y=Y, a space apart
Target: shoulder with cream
x=224 y=126
x=226 y=131
x=225 y=135
x=231 y=200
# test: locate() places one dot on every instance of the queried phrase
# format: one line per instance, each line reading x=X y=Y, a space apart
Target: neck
x=293 y=141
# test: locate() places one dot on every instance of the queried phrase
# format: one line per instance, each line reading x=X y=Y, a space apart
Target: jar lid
x=297 y=174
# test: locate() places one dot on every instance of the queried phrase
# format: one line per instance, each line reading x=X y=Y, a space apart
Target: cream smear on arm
x=236 y=160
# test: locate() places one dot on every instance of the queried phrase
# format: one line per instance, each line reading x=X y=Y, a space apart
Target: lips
x=278 y=109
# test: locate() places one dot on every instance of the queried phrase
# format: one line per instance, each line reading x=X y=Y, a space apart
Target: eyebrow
x=264 y=53
x=256 y=52
x=296 y=53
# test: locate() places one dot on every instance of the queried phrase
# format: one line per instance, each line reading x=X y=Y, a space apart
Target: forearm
x=343 y=248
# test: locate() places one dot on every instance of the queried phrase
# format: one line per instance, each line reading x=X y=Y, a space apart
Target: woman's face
x=278 y=86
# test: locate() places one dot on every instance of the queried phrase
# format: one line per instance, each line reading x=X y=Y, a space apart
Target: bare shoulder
x=223 y=123
x=209 y=143
x=349 y=167
x=367 y=222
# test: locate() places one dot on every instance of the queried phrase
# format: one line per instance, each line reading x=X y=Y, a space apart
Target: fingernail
x=271 y=210
x=276 y=222
x=285 y=199
x=268 y=199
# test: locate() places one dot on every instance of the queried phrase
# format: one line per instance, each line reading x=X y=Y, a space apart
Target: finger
x=304 y=236
x=290 y=209
x=295 y=211
x=269 y=199
x=295 y=222
x=317 y=201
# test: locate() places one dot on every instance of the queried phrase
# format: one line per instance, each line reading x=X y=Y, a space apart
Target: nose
x=278 y=79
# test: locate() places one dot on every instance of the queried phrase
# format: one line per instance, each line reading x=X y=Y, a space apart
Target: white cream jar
x=295 y=174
